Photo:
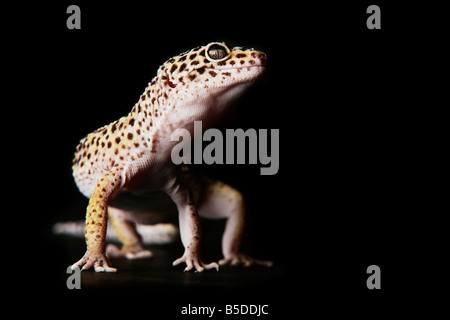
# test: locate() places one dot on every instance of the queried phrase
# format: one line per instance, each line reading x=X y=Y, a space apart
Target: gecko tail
x=161 y=233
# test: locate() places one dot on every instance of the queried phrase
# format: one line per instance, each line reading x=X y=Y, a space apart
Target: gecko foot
x=99 y=262
x=128 y=252
x=246 y=261
x=192 y=260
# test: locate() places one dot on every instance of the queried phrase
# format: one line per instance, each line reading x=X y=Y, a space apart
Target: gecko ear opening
x=217 y=52
x=171 y=84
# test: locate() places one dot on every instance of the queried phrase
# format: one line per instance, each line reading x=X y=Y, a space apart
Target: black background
x=352 y=189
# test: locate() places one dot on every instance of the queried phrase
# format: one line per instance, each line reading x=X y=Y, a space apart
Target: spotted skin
x=132 y=156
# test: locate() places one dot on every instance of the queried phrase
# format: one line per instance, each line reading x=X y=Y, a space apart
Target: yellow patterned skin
x=96 y=223
x=132 y=156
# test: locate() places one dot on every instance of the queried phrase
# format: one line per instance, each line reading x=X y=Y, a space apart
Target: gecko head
x=213 y=71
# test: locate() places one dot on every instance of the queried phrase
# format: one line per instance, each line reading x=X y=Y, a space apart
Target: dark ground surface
x=300 y=282
x=156 y=285
x=153 y=285
x=158 y=272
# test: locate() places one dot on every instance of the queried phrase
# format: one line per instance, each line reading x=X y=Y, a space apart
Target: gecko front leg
x=189 y=231
x=96 y=224
x=222 y=201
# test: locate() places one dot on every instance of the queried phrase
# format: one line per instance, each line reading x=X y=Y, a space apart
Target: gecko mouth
x=246 y=68
x=239 y=68
x=243 y=67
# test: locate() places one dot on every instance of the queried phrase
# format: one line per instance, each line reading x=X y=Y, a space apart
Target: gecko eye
x=217 y=52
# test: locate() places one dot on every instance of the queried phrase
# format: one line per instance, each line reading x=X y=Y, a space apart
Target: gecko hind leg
x=125 y=228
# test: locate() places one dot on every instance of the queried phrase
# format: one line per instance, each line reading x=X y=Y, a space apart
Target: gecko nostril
x=259 y=56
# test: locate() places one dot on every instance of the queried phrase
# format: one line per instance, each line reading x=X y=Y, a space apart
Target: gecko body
x=128 y=162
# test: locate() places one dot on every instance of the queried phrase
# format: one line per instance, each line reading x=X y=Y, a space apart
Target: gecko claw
x=99 y=262
x=192 y=261
x=244 y=260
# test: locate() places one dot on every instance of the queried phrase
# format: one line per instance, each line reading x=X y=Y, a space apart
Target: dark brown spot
x=242 y=61
x=130 y=136
x=201 y=70
x=174 y=67
x=182 y=67
x=192 y=56
x=131 y=122
x=241 y=55
x=192 y=76
x=117 y=140
x=113 y=128
x=212 y=73
x=194 y=63
x=202 y=53
x=136 y=145
x=226 y=74
x=109 y=144
x=182 y=59
x=232 y=62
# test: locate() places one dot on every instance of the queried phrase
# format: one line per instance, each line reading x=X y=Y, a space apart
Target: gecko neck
x=158 y=113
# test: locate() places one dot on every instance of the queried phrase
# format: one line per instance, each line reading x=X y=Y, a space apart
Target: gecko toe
x=192 y=261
